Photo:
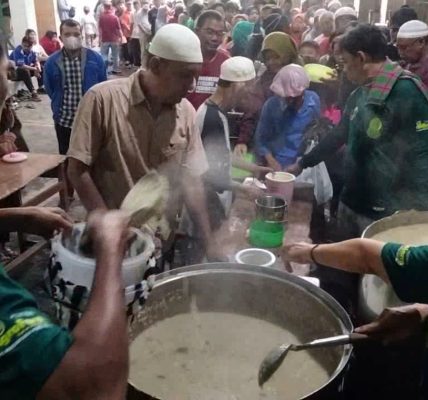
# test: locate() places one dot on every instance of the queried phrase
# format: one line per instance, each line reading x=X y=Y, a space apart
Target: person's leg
x=40 y=80
x=24 y=75
x=105 y=47
x=115 y=52
x=63 y=135
x=143 y=44
x=136 y=52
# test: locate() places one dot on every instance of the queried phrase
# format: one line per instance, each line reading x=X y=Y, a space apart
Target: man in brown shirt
x=125 y=127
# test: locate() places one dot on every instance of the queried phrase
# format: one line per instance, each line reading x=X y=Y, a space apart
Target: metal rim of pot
x=202 y=269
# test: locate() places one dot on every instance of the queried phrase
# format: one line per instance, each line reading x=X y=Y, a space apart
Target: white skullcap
x=348 y=11
x=412 y=30
x=237 y=69
x=334 y=3
x=176 y=43
x=319 y=12
x=291 y=81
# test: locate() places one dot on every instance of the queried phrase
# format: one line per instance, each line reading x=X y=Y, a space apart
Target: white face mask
x=72 y=43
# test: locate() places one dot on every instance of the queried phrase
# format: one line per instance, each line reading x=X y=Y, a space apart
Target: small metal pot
x=271 y=209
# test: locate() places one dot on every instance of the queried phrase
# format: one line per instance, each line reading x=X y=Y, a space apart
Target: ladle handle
x=332 y=341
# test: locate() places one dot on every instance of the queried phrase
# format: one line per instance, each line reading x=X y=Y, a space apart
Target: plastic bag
x=319 y=177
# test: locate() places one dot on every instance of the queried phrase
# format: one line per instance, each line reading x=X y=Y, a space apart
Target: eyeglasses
x=212 y=32
x=404 y=47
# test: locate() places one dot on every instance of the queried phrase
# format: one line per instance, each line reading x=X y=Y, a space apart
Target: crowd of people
x=209 y=84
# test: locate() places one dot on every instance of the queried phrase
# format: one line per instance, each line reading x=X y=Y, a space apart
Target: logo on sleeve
x=421 y=126
x=402 y=255
x=374 y=131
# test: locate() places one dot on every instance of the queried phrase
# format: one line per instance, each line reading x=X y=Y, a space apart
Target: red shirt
x=50 y=46
x=110 y=30
x=207 y=81
x=125 y=23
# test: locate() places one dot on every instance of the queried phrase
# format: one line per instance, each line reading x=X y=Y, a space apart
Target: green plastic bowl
x=266 y=234
x=238 y=173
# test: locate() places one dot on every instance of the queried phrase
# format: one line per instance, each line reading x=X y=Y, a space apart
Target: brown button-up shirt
x=116 y=135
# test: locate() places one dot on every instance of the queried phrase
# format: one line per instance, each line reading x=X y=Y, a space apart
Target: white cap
x=237 y=69
x=412 y=30
x=176 y=43
x=342 y=11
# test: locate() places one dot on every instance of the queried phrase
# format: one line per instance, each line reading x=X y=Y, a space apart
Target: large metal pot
x=262 y=293
x=374 y=294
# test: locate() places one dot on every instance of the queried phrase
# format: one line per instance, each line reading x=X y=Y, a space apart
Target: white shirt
x=135 y=20
x=89 y=24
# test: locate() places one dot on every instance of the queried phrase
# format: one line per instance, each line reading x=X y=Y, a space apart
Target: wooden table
x=232 y=235
x=14 y=178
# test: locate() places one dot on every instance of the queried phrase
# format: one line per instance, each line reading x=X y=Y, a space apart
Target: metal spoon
x=274 y=359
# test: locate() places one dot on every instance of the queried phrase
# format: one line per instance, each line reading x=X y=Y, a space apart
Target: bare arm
x=96 y=365
x=196 y=203
x=362 y=256
x=80 y=177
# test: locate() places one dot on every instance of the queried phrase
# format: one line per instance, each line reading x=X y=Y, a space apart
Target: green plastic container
x=266 y=234
x=241 y=174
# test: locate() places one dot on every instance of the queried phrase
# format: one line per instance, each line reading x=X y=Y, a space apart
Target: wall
x=23 y=16
x=47 y=16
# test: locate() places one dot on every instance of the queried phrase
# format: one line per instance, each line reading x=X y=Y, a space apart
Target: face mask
x=72 y=43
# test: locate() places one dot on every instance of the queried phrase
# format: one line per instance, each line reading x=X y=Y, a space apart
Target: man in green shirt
x=40 y=360
x=385 y=128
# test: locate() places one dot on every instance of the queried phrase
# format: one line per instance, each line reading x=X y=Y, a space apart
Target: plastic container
x=80 y=270
x=259 y=257
x=241 y=174
x=266 y=234
x=281 y=184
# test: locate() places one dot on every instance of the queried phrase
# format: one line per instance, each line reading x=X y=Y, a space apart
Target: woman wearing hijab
x=285 y=116
x=240 y=37
x=297 y=27
x=278 y=50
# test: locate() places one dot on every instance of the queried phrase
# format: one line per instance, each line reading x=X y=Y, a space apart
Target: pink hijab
x=290 y=81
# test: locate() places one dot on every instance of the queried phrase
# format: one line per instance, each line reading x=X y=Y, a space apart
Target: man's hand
x=44 y=221
x=37 y=74
x=240 y=150
x=109 y=231
x=395 y=324
x=7 y=143
x=297 y=252
x=295 y=169
x=214 y=253
x=272 y=163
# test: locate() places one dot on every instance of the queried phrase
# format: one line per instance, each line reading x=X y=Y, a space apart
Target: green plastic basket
x=266 y=234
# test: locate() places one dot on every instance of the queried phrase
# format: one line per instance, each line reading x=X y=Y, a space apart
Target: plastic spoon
x=274 y=359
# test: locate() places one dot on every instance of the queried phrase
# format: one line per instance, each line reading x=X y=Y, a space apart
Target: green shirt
x=385 y=128
x=407 y=269
x=31 y=346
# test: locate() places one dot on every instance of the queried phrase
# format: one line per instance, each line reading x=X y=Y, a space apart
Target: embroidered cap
x=412 y=30
x=237 y=69
x=176 y=43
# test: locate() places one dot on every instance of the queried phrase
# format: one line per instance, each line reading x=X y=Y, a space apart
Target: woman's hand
x=44 y=221
x=240 y=150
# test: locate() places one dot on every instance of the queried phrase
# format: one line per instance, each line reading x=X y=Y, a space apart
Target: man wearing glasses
x=210 y=29
x=412 y=45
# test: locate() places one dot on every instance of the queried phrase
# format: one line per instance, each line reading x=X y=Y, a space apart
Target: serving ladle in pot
x=274 y=359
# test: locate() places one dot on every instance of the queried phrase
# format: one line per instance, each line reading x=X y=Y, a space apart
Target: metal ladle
x=274 y=359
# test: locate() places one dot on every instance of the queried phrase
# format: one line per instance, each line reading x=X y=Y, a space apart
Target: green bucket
x=266 y=234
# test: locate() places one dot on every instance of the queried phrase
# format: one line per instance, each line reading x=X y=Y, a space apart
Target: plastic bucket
x=70 y=274
x=281 y=184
